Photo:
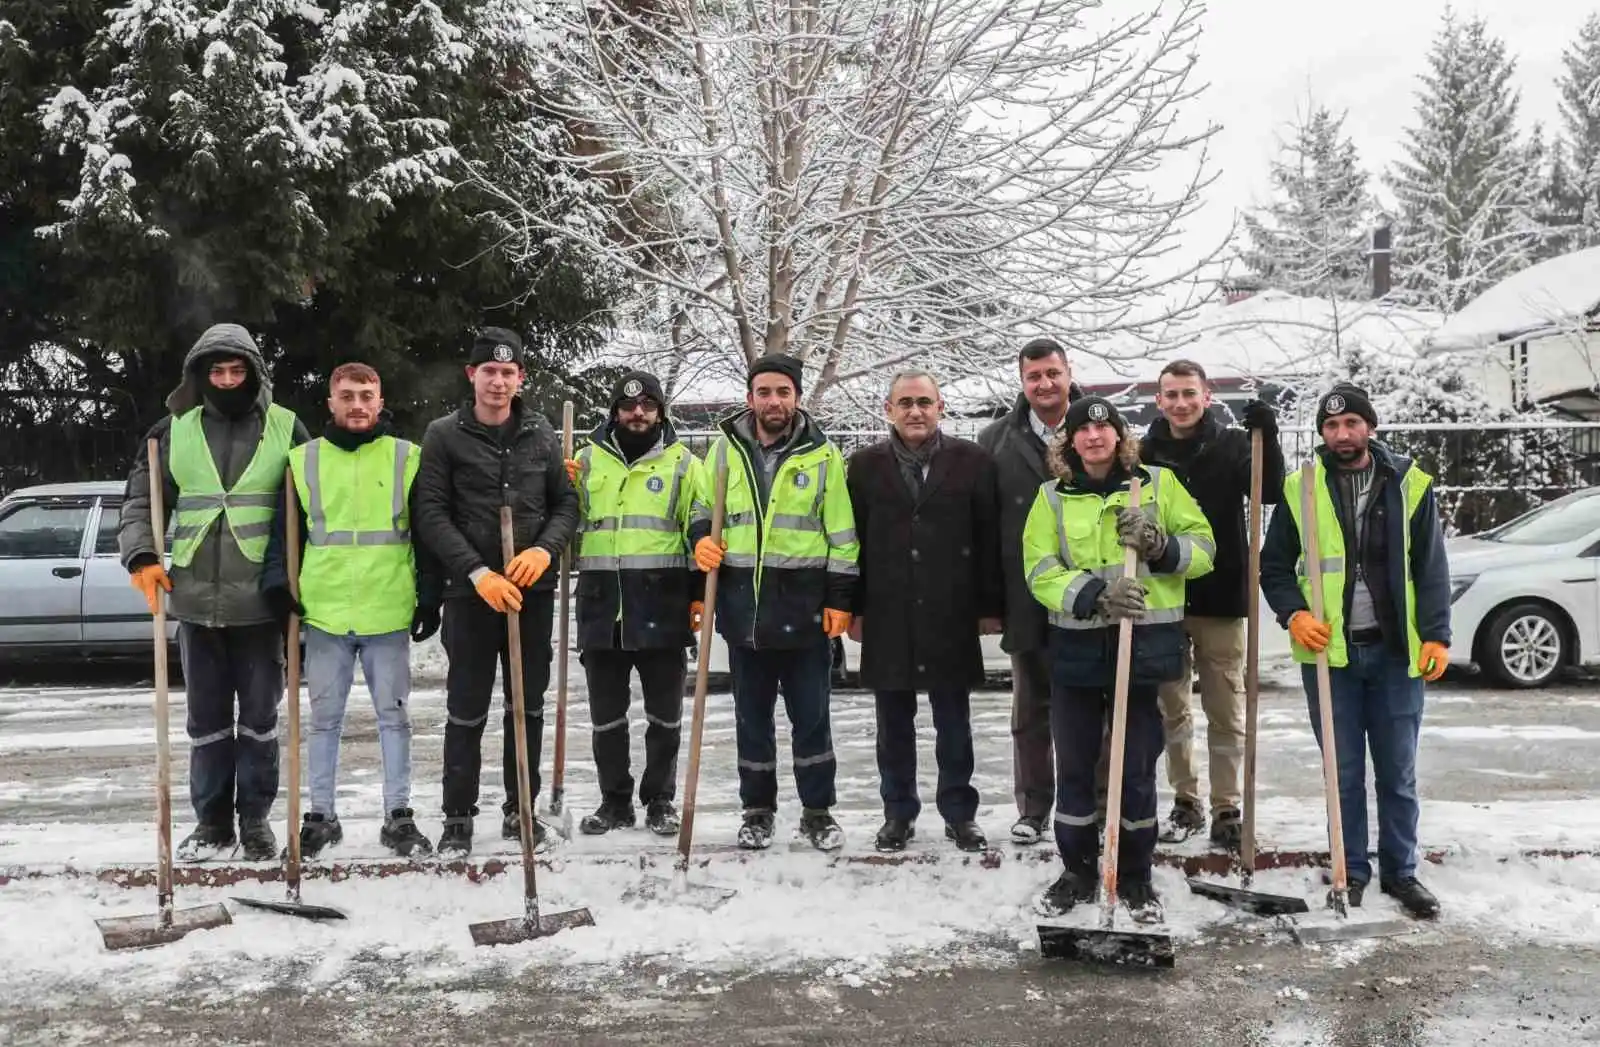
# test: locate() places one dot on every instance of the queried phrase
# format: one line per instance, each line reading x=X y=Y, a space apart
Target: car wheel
x=1525 y=645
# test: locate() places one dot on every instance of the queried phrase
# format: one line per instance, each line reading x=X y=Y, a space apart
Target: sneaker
x=894 y=835
x=1186 y=819
x=1227 y=829
x=967 y=836
x=818 y=827
x=756 y=832
x=1028 y=829
x=611 y=814
x=318 y=831
x=256 y=841
x=661 y=818
x=1143 y=903
x=207 y=842
x=401 y=835
x=1412 y=896
x=456 y=840
x=1072 y=887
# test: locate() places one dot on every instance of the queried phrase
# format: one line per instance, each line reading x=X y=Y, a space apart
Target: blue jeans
x=804 y=673
x=952 y=750
x=1377 y=704
x=330 y=670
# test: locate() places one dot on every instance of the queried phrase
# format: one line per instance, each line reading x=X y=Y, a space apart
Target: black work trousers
x=661 y=675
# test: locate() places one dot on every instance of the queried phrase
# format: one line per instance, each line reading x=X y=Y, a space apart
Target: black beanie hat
x=1088 y=409
x=777 y=363
x=498 y=345
x=1345 y=398
x=638 y=383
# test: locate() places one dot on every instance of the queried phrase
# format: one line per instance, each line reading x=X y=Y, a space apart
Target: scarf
x=914 y=462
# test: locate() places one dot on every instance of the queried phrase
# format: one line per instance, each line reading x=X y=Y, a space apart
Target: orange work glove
x=528 y=566
x=146 y=579
x=1433 y=660
x=834 y=623
x=1308 y=632
x=572 y=470
x=697 y=616
x=708 y=554
x=499 y=593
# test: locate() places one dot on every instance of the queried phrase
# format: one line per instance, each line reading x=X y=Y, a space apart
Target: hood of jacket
x=218 y=340
x=807 y=435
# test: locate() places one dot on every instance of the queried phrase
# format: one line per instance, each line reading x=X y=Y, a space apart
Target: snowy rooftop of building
x=1553 y=296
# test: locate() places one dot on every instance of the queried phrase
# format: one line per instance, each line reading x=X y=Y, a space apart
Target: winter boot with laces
x=256 y=841
x=208 y=842
x=1227 y=829
x=401 y=835
x=511 y=828
x=318 y=831
x=756 y=832
x=611 y=814
x=1186 y=819
x=1072 y=887
x=456 y=840
x=1142 y=901
x=820 y=830
x=661 y=818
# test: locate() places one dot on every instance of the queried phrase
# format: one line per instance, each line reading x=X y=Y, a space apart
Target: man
x=788 y=585
x=1385 y=626
x=927 y=513
x=636 y=488
x=1073 y=546
x=1214 y=464
x=494 y=451
x=223 y=450
x=365 y=594
x=1019 y=443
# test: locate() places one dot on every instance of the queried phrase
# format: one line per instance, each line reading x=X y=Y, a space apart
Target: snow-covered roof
x=1553 y=296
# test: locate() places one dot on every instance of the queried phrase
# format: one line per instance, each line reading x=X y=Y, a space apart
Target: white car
x=1525 y=596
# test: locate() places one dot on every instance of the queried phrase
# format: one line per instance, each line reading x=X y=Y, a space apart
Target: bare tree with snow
x=864 y=183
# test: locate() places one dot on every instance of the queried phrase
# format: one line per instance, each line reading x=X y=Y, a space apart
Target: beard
x=775 y=425
x=1349 y=455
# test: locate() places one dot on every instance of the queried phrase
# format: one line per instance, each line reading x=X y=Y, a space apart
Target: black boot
x=1072 y=887
x=318 y=831
x=1142 y=901
x=1412 y=896
x=1028 y=829
x=1186 y=819
x=256 y=841
x=208 y=842
x=456 y=840
x=611 y=814
x=1227 y=829
x=821 y=830
x=401 y=835
x=511 y=828
x=895 y=834
x=661 y=818
x=967 y=835
x=756 y=832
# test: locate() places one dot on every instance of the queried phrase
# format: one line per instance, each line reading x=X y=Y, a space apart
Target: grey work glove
x=1137 y=531
x=1121 y=598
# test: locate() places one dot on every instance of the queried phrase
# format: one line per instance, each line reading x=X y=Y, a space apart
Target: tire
x=1525 y=645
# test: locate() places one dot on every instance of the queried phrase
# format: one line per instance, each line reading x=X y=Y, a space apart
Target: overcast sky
x=1264 y=58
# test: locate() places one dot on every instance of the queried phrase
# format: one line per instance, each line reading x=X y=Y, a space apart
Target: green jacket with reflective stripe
x=791 y=557
x=1070 y=552
x=359 y=573
x=635 y=582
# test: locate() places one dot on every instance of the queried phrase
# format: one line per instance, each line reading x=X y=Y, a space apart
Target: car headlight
x=1460 y=584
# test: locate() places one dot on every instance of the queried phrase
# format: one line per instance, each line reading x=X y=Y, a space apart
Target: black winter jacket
x=466 y=476
x=1217 y=473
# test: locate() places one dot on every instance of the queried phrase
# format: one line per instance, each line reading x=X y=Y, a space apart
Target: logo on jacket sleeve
x=655 y=484
x=802 y=479
x=1334 y=405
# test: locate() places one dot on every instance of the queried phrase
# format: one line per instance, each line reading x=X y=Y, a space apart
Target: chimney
x=1382 y=256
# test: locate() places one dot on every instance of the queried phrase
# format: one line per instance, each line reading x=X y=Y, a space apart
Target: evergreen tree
x=1312 y=238
x=1579 y=84
x=1465 y=196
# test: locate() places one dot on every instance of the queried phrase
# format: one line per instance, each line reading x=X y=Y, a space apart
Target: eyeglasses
x=906 y=403
x=638 y=403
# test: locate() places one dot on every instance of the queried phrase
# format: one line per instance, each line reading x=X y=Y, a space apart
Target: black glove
x=282 y=603
x=1258 y=414
x=424 y=623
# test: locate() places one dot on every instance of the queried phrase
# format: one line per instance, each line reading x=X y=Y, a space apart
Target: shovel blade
x=1259 y=903
x=1095 y=945
x=142 y=932
x=678 y=891
x=523 y=929
x=303 y=910
x=1352 y=930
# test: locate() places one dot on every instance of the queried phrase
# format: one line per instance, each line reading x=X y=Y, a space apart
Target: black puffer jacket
x=466 y=476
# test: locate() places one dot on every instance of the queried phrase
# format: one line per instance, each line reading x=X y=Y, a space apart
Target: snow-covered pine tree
x=1312 y=238
x=1557 y=211
x=1579 y=84
x=1466 y=213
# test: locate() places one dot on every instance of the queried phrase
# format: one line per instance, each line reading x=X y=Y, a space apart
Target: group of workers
x=915 y=547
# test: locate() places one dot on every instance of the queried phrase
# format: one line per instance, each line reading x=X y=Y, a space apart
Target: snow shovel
x=679 y=888
x=532 y=923
x=1259 y=903
x=1338 y=895
x=559 y=812
x=1106 y=944
x=291 y=905
x=166 y=924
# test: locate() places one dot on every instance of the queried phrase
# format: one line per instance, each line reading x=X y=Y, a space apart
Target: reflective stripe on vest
x=1332 y=557
x=630 y=511
x=791 y=533
x=317 y=531
x=248 y=506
